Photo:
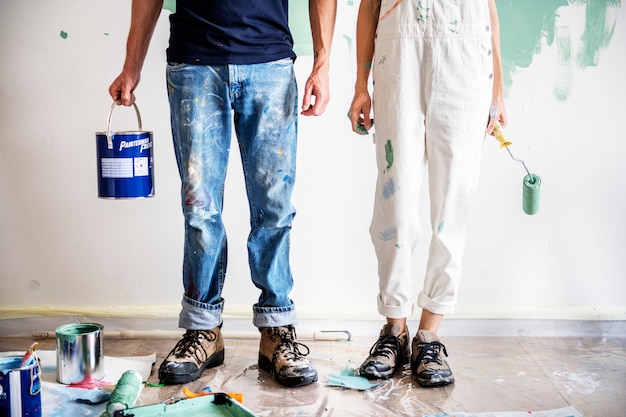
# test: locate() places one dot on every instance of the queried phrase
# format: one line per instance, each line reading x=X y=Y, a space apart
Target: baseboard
x=162 y=321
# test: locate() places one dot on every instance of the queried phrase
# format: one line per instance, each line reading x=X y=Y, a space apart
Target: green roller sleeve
x=531 y=194
x=126 y=392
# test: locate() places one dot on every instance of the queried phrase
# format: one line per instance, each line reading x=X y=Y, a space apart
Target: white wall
x=64 y=250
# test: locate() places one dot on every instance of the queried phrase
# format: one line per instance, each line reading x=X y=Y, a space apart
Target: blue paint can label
x=125 y=169
x=125 y=162
x=20 y=388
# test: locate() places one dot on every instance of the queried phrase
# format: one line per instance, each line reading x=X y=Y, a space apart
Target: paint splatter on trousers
x=260 y=102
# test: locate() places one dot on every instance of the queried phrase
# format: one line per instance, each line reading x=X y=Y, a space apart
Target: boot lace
x=386 y=346
x=429 y=353
x=191 y=344
x=288 y=347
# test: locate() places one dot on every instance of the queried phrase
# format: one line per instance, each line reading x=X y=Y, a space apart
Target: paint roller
x=126 y=392
x=532 y=182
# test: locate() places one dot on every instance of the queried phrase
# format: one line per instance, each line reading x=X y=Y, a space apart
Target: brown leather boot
x=427 y=361
x=196 y=351
x=389 y=353
x=280 y=355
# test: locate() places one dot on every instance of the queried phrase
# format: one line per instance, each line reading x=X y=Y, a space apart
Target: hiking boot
x=389 y=353
x=280 y=355
x=427 y=361
x=197 y=350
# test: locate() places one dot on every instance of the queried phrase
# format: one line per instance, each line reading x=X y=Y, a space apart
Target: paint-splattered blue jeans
x=260 y=101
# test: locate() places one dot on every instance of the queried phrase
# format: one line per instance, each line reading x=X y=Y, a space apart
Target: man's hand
x=123 y=87
x=316 y=94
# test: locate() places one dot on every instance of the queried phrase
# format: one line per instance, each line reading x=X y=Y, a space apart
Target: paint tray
x=218 y=404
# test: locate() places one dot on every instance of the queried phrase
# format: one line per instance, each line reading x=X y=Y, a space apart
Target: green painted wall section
x=526 y=27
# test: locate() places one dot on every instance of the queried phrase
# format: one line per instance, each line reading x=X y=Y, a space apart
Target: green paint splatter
x=368 y=64
x=440 y=227
x=169 y=5
x=63 y=34
x=349 y=41
x=389 y=153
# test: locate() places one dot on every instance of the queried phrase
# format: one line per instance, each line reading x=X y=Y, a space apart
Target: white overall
x=432 y=74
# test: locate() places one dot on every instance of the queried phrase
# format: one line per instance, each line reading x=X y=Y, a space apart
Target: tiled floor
x=492 y=374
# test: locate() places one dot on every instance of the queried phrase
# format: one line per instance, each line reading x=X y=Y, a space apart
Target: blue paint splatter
x=390 y=188
x=387 y=234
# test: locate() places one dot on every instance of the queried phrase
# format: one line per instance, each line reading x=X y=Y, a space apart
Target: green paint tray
x=218 y=404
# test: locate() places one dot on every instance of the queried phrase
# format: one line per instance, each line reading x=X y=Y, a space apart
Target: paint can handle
x=109 y=138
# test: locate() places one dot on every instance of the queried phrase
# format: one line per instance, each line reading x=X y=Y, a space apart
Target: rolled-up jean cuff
x=427 y=303
x=274 y=316
x=200 y=316
x=395 y=312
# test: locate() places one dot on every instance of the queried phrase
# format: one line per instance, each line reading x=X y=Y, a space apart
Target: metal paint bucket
x=20 y=388
x=125 y=162
x=80 y=353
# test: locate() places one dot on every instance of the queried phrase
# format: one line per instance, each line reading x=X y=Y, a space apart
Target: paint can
x=20 y=388
x=125 y=162
x=80 y=353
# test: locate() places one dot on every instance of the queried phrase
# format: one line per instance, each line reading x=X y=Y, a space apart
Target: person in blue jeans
x=230 y=64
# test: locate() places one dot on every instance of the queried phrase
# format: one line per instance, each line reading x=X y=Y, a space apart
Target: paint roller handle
x=498 y=132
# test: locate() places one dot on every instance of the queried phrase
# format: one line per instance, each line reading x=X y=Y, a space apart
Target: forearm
x=498 y=82
x=322 y=14
x=144 y=17
x=367 y=23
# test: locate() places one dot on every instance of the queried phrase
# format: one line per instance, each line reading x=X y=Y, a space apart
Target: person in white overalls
x=437 y=89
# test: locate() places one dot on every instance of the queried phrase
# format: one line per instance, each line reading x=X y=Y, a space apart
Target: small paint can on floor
x=80 y=353
x=125 y=162
x=20 y=388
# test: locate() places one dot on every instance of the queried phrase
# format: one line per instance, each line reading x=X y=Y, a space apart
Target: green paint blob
x=69 y=332
x=389 y=153
x=349 y=41
x=63 y=34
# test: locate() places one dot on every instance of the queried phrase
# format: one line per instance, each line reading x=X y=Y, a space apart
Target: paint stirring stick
x=29 y=355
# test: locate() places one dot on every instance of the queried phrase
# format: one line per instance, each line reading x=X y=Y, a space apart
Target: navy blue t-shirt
x=220 y=32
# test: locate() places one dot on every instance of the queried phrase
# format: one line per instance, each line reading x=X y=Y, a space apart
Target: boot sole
x=429 y=383
x=173 y=379
x=384 y=374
